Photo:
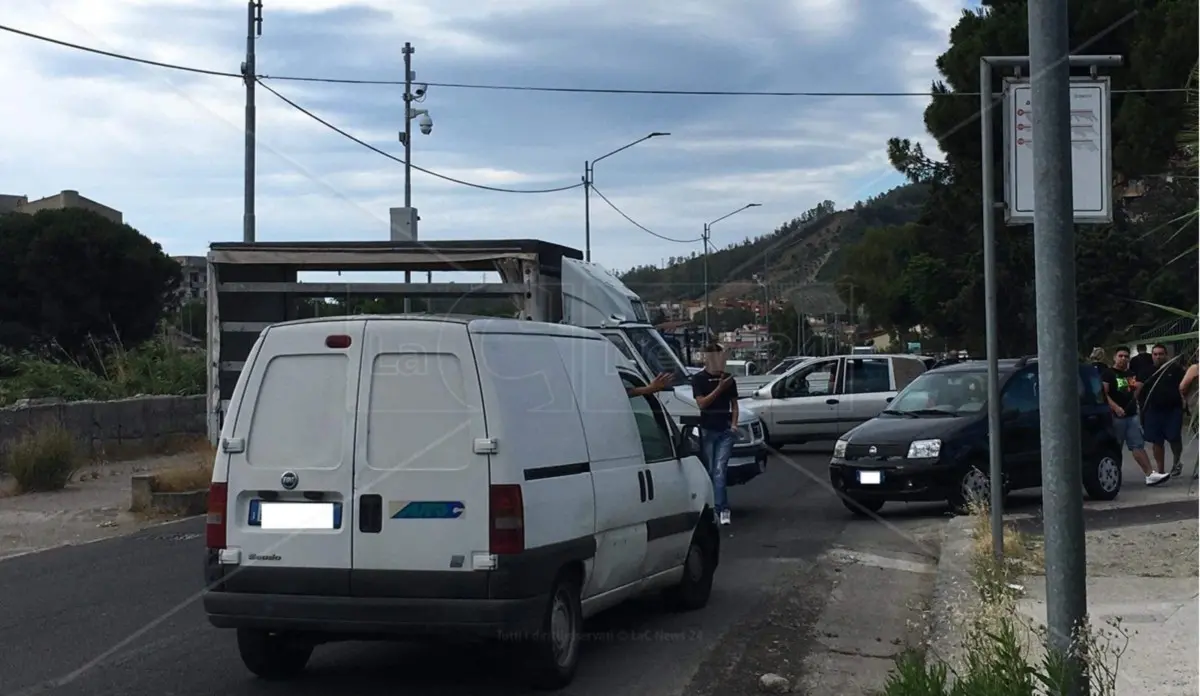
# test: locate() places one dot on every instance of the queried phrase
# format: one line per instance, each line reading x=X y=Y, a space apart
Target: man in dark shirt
x=716 y=395
x=1120 y=391
x=1162 y=410
x=1142 y=366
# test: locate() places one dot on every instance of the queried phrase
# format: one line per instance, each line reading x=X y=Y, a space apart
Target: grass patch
x=43 y=460
x=194 y=475
x=156 y=367
x=1004 y=652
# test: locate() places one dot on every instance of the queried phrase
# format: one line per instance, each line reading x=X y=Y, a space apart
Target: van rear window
x=299 y=417
x=419 y=413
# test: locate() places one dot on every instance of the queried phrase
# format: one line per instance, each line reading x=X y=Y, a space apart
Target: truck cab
x=596 y=299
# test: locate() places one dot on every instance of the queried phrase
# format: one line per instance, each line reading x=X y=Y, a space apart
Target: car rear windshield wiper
x=891 y=412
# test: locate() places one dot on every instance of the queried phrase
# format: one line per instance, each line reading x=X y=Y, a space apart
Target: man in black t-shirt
x=1142 y=366
x=1162 y=410
x=716 y=395
x=1120 y=391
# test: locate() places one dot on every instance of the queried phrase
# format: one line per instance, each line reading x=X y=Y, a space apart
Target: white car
x=823 y=398
x=421 y=476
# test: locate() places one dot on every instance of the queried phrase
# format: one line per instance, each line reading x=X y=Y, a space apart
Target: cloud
x=166 y=147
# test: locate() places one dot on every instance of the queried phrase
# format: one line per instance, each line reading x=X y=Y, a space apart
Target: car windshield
x=658 y=357
x=942 y=394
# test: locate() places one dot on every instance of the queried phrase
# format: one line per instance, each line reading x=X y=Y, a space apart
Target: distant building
x=59 y=201
x=194 y=285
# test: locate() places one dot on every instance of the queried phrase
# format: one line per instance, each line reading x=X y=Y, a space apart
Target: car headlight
x=743 y=433
x=839 y=449
x=925 y=449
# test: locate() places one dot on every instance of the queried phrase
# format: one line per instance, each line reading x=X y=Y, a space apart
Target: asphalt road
x=121 y=616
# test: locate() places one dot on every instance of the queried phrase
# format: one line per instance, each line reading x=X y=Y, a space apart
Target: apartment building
x=59 y=201
x=194 y=285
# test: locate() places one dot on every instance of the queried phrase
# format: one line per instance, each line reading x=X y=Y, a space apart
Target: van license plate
x=870 y=478
x=294 y=516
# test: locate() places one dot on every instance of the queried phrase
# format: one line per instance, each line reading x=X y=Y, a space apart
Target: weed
x=43 y=460
x=192 y=476
x=1004 y=653
x=156 y=367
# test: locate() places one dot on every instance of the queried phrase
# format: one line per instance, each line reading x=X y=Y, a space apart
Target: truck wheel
x=274 y=656
x=550 y=657
x=1102 y=477
x=694 y=589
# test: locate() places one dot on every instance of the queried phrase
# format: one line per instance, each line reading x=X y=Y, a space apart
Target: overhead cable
x=392 y=157
x=639 y=225
x=529 y=88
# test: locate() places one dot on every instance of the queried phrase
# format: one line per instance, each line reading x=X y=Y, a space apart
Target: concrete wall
x=111 y=429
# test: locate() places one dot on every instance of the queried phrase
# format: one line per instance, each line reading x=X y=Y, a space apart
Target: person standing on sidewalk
x=1162 y=410
x=716 y=395
x=1120 y=390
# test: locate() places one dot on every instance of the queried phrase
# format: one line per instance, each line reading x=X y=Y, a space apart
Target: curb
x=953 y=588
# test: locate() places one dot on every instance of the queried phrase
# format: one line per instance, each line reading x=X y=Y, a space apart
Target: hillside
x=802 y=251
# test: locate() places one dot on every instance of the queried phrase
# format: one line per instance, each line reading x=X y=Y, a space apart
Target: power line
x=637 y=224
x=119 y=56
x=392 y=157
x=528 y=88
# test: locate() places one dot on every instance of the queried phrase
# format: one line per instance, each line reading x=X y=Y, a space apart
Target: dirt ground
x=95 y=505
x=1167 y=550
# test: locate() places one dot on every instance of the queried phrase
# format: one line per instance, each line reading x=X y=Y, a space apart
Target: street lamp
x=588 y=170
x=704 y=240
x=762 y=283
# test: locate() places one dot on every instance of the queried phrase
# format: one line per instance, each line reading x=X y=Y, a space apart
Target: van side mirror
x=684 y=447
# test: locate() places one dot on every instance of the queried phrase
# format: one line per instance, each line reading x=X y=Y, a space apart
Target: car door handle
x=831 y=402
x=370 y=513
x=642 y=485
x=649 y=485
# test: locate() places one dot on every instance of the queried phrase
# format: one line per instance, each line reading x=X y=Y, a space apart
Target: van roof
x=475 y=324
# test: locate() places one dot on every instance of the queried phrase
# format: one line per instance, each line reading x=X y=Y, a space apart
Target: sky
x=166 y=147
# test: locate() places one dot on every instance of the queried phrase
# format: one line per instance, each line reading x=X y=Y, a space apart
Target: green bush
x=43 y=460
x=155 y=367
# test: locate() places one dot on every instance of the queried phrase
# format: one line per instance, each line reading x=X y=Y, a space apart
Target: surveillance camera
x=426 y=124
x=419 y=90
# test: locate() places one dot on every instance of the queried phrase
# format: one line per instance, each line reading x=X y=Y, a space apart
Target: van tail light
x=337 y=341
x=218 y=504
x=506 y=519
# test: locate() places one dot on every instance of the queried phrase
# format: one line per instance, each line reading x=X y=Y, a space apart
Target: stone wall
x=111 y=429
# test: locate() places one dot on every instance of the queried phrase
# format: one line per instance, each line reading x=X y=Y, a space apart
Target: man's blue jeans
x=716 y=446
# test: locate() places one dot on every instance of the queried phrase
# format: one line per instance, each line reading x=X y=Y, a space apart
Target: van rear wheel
x=272 y=656
x=551 y=656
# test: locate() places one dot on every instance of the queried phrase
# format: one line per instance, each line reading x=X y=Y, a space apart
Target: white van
x=421 y=476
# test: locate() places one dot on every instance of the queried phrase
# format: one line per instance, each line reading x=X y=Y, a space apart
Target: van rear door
x=421 y=488
x=291 y=460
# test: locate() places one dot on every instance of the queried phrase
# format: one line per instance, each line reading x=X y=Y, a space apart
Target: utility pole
x=253 y=31
x=587 y=211
x=408 y=97
x=1057 y=338
x=704 y=241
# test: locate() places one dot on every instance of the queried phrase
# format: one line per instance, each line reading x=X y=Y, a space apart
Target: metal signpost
x=1019 y=184
x=1058 y=173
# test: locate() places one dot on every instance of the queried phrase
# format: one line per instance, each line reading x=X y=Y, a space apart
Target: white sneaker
x=1157 y=478
x=725 y=517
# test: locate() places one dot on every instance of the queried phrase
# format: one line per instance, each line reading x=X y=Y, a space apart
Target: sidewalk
x=1145 y=576
x=95 y=505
